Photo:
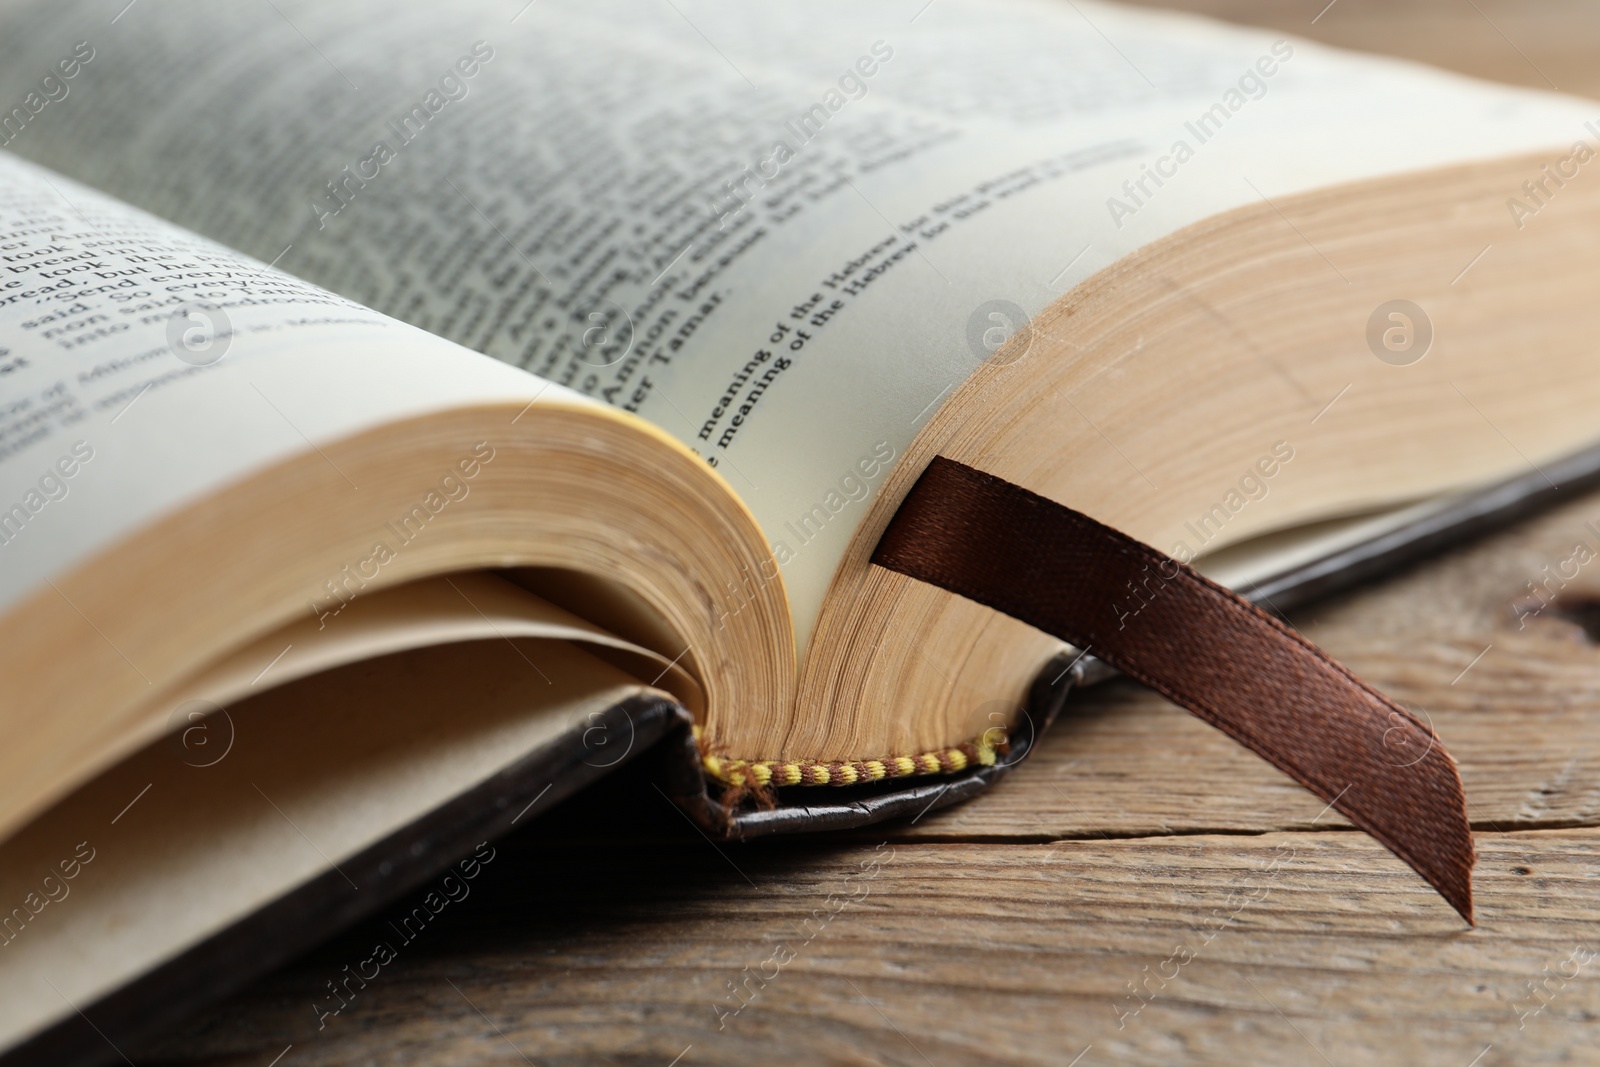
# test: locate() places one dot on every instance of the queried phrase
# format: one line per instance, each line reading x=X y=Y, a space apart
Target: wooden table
x=1143 y=891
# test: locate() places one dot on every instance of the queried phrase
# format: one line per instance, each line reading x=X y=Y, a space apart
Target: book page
x=783 y=232
x=141 y=366
x=221 y=836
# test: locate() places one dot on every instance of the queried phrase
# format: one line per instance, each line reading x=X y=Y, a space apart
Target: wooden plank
x=1276 y=948
x=1544 y=45
x=1515 y=697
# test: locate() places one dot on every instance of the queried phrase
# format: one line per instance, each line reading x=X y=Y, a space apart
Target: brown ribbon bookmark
x=1199 y=645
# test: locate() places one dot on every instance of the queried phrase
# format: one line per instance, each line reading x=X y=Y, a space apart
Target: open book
x=388 y=392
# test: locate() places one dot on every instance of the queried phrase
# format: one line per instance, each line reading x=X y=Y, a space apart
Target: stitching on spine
x=765 y=774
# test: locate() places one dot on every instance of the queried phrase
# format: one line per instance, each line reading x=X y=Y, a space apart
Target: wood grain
x=949 y=953
x=1045 y=923
x=1548 y=45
